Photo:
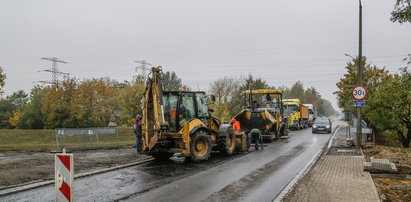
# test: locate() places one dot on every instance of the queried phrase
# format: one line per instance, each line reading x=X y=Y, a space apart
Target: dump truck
x=263 y=109
x=297 y=114
x=181 y=122
x=312 y=114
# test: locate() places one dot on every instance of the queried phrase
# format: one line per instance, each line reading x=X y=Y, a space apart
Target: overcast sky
x=281 y=41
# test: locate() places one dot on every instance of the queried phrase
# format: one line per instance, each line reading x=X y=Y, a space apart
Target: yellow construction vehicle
x=297 y=114
x=263 y=110
x=180 y=122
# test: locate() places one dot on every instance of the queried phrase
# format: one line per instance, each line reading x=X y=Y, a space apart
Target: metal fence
x=86 y=137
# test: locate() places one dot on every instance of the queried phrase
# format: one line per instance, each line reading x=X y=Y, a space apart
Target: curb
x=17 y=188
x=305 y=169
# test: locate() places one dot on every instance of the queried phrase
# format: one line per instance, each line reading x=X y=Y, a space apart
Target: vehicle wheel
x=268 y=139
x=200 y=146
x=313 y=131
x=227 y=142
x=162 y=156
x=245 y=144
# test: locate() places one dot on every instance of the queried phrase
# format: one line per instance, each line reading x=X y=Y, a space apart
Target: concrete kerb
x=18 y=188
x=305 y=169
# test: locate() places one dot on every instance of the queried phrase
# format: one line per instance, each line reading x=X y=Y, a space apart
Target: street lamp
x=359 y=74
x=349 y=56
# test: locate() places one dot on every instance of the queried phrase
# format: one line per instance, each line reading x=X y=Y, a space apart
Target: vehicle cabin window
x=292 y=108
x=201 y=105
x=322 y=121
x=187 y=110
x=170 y=110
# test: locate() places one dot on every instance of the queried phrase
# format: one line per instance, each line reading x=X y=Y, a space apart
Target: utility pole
x=143 y=68
x=54 y=70
x=359 y=79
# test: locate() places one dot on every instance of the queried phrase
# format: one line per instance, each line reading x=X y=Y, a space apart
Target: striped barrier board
x=64 y=176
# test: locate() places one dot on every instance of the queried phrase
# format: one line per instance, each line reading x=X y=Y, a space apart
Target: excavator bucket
x=261 y=120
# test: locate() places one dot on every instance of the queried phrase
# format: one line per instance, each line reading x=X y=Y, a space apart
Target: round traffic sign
x=359 y=92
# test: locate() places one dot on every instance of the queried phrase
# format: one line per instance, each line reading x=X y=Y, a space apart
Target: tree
x=389 y=108
x=94 y=100
x=297 y=91
x=129 y=102
x=224 y=90
x=2 y=80
x=372 y=78
x=59 y=105
x=10 y=109
x=171 y=82
x=312 y=96
x=253 y=84
x=402 y=11
x=325 y=108
x=32 y=117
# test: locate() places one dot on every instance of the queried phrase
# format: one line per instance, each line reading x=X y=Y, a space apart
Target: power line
x=54 y=70
x=142 y=68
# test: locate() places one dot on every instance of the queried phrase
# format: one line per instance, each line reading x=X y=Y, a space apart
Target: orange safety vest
x=236 y=124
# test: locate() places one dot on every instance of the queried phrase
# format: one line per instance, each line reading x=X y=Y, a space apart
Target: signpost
x=359 y=93
x=64 y=178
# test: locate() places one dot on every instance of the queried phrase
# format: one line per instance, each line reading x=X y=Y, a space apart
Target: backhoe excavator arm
x=153 y=111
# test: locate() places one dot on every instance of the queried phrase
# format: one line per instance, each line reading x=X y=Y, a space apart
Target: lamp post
x=359 y=76
x=359 y=81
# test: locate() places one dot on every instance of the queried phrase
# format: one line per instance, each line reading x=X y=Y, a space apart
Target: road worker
x=255 y=135
x=137 y=128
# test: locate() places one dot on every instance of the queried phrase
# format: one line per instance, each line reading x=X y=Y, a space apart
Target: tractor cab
x=181 y=106
x=259 y=100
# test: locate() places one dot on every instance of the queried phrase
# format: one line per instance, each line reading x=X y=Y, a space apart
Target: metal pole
x=359 y=81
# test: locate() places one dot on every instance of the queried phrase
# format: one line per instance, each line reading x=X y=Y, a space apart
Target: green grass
x=41 y=140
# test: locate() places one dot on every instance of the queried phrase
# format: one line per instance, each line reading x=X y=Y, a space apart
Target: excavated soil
x=392 y=189
x=25 y=167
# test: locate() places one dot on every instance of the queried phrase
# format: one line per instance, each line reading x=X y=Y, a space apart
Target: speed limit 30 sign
x=359 y=92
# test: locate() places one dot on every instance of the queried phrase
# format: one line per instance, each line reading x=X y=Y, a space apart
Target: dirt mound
x=392 y=189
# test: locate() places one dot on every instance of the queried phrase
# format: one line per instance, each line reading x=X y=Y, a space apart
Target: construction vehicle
x=180 y=122
x=312 y=114
x=263 y=110
x=297 y=114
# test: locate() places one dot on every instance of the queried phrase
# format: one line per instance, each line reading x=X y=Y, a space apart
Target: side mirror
x=210 y=110
x=212 y=97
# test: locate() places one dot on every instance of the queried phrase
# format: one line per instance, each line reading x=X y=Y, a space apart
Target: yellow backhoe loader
x=180 y=122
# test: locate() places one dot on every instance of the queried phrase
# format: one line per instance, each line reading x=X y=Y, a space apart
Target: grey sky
x=281 y=41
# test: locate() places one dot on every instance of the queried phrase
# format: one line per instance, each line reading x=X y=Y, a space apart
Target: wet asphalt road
x=254 y=176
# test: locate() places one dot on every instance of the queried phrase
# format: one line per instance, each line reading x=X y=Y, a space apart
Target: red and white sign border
x=366 y=92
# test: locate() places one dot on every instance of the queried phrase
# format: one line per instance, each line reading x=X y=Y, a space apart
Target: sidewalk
x=337 y=176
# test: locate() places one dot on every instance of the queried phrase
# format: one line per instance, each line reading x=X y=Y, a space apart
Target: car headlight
x=328 y=126
x=314 y=126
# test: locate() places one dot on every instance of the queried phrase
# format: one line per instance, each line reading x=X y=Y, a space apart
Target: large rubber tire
x=268 y=139
x=226 y=141
x=244 y=146
x=162 y=156
x=200 y=146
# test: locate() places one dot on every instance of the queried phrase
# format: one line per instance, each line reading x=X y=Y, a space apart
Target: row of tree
x=95 y=102
x=388 y=105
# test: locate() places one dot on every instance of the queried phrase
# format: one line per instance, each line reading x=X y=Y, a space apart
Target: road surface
x=256 y=176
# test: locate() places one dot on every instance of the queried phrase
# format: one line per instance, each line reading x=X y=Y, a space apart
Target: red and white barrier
x=64 y=176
